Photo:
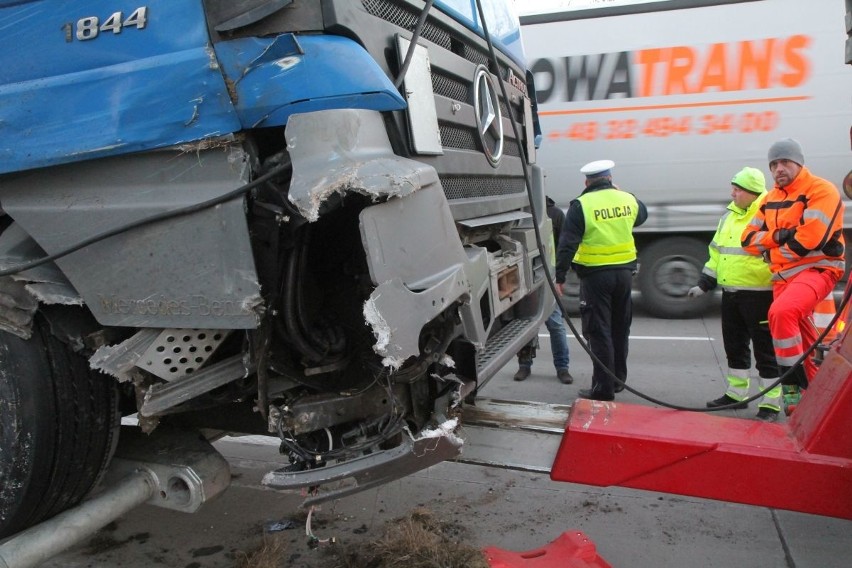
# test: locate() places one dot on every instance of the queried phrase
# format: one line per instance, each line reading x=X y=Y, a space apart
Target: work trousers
x=606 y=311
x=789 y=318
x=744 y=322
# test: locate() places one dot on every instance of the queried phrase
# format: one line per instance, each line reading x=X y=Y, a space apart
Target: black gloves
x=781 y=236
x=833 y=248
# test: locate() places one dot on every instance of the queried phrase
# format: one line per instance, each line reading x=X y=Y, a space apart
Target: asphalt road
x=680 y=361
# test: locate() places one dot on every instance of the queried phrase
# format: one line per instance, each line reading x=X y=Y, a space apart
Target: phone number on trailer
x=663 y=126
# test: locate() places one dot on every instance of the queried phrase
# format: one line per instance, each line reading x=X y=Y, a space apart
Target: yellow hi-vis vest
x=608 y=239
x=733 y=268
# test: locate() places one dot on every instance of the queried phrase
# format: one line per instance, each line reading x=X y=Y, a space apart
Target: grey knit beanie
x=787 y=149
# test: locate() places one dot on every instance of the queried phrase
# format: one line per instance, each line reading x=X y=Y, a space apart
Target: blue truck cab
x=313 y=220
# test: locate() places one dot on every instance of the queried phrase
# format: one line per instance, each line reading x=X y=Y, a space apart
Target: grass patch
x=418 y=540
x=270 y=554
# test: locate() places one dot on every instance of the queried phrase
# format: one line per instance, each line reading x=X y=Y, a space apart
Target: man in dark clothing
x=597 y=240
x=554 y=323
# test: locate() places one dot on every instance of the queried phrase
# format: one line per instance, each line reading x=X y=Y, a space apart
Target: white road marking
x=652 y=337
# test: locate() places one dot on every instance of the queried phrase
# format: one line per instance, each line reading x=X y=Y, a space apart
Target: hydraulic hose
x=418 y=29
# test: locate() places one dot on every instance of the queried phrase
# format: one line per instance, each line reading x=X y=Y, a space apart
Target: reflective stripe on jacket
x=609 y=215
x=732 y=267
x=811 y=206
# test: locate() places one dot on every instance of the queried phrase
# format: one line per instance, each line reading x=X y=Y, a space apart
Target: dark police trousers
x=606 y=310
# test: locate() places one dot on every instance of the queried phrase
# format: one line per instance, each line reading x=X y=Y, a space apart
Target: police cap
x=598 y=168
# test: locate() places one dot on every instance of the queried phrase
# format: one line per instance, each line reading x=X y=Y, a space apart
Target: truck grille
x=465 y=139
x=455 y=54
x=406 y=18
x=450 y=88
x=466 y=187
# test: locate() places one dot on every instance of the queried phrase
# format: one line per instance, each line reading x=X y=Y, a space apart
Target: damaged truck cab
x=302 y=219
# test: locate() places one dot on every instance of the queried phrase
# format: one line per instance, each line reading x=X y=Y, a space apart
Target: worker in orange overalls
x=799 y=230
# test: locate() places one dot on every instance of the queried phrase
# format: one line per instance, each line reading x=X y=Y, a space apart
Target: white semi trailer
x=681 y=94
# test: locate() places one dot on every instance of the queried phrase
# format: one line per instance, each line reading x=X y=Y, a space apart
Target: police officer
x=597 y=241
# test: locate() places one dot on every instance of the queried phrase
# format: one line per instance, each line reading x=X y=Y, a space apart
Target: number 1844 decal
x=91 y=27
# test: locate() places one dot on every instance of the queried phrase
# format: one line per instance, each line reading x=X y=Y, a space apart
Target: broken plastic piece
x=571 y=549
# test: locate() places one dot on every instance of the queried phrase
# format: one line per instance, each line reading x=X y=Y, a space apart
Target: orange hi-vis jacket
x=810 y=205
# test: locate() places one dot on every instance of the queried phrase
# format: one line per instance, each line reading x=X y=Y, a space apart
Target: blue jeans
x=558 y=342
x=558 y=339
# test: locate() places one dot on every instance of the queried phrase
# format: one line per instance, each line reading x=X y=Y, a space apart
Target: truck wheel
x=667 y=270
x=58 y=428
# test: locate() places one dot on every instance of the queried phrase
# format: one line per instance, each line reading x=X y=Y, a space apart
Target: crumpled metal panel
x=341 y=151
x=416 y=259
x=120 y=360
x=371 y=470
x=17 y=307
x=45 y=282
x=21 y=293
x=195 y=271
x=274 y=78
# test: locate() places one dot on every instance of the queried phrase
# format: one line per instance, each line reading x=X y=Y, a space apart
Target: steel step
x=502 y=346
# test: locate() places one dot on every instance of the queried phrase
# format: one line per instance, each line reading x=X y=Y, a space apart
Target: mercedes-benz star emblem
x=489 y=119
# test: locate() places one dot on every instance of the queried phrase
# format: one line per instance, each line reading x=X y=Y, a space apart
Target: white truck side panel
x=683 y=149
x=683 y=99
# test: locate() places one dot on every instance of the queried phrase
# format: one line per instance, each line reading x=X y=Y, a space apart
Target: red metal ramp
x=803 y=465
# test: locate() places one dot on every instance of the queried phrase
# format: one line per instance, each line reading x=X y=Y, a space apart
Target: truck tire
x=667 y=270
x=59 y=424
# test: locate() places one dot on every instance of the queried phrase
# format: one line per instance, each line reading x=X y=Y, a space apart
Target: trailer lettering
x=724 y=67
x=665 y=126
x=675 y=70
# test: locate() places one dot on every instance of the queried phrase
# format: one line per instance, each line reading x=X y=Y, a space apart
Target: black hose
x=289 y=310
x=312 y=337
x=418 y=29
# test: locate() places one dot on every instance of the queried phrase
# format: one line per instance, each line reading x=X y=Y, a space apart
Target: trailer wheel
x=667 y=270
x=58 y=428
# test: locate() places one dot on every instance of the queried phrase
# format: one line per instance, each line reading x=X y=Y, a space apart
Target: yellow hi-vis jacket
x=609 y=215
x=730 y=265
